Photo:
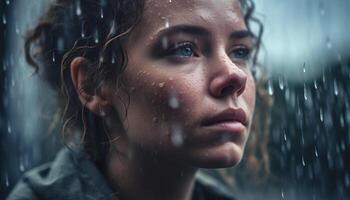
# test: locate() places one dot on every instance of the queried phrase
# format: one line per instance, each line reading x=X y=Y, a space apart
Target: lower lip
x=235 y=127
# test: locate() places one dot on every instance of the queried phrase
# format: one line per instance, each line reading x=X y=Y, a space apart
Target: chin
x=223 y=156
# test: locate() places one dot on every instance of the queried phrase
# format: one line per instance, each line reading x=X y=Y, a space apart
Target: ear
x=96 y=103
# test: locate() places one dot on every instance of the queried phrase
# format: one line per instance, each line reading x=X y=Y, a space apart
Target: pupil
x=186 y=51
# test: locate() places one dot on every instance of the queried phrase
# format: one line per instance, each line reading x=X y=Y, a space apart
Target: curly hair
x=96 y=30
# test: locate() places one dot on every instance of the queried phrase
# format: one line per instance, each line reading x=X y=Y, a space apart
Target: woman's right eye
x=182 y=50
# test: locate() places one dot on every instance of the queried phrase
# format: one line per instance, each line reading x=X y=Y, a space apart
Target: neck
x=144 y=175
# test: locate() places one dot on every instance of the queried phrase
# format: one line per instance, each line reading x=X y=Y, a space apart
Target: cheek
x=159 y=104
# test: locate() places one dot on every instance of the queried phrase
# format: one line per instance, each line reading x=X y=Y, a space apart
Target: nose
x=228 y=79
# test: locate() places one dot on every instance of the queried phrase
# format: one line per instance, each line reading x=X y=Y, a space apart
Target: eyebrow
x=200 y=31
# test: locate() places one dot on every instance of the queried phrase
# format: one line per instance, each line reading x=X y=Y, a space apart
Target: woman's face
x=191 y=91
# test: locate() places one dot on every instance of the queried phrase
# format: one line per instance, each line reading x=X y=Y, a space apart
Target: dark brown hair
x=96 y=30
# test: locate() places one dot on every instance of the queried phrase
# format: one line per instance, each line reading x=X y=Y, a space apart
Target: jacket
x=72 y=176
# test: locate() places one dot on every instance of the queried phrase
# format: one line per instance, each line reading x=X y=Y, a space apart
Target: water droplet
x=336 y=92
x=284 y=136
x=113 y=59
x=282 y=193
x=167 y=24
x=53 y=57
x=173 y=101
x=17 y=30
x=177 y=136
x=7 y=2
x=281 y=83
x=21 y=166
x=101 y=13
x=305 y=92
x=270 y=87
x=9 y=129
x=342 y=122
x=322 y=12
x=7 y=182
x=321 y=114
x=96 y=36
x=4 y=21
x=347 y=180
x=329 y=43
x=78 y=9
x=315 y=85
x=304 y=68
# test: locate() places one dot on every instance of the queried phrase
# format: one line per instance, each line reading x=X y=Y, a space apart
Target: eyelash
x=242 y=53
x=174 y=49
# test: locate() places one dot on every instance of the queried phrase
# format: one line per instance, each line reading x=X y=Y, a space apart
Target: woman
x=155 y=90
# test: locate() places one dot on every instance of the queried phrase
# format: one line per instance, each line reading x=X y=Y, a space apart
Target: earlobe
x=96 y=103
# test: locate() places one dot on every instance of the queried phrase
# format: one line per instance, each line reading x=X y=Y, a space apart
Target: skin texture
x=176 y=80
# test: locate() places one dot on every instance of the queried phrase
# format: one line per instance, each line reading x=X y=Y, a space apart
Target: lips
x=230 y=118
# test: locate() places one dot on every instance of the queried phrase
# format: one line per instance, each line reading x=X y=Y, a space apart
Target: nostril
x=227 y=90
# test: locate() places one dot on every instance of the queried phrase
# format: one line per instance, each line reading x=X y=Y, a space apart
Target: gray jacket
x=72 y=176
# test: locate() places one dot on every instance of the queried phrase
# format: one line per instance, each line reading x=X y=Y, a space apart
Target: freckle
x=161 y=84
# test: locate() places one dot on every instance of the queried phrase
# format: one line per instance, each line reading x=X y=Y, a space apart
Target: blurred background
x=305 y=50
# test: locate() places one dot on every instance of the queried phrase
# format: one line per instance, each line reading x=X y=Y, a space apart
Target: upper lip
x=228 y=115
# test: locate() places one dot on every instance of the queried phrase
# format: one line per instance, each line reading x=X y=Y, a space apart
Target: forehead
x=216 y=14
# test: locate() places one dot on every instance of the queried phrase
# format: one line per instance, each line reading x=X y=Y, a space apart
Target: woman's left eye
x=241 y=52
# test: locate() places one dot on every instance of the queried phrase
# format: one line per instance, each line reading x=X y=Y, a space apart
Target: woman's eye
x=242 y=53
x=182 y=50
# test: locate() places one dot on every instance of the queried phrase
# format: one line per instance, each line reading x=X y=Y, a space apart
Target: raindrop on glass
x=167 y=24
x=17 y=29
x=78 y=9
x=281 y=83
x=347 y=180
x=21 y=166
x=177 y=136
x=174 y=102
x=270 y=87
x=9 y=129
x=101 y=13
x=4 y=21
x=282 y=193
x=315 y=85
x=7 y=2
x=305 y=92
x=96 y=37
x=113 y=59
x=342 y=123
x=329 y=43
x=316 y=152
x=322 y=11
x=321 y=114
x=53 y=57
x=303 y=161
x=7 y=182
x=60 y=44
x=336 y=91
